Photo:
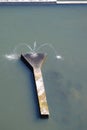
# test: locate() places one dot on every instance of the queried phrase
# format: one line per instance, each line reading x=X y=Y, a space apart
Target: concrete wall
x=27 y=0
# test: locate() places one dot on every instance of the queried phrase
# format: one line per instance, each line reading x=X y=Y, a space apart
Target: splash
x=22 y=45
x=59 y=57
x=11 y=56
x=15 y=55
x=33 y=50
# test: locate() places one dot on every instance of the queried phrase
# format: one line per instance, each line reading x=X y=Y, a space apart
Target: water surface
x=65 y=27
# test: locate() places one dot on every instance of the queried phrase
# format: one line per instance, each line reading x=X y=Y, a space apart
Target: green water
x=65 y=27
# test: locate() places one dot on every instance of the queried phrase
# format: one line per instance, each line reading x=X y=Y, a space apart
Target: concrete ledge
x=35 y=61
x=30 y=1
x=26 y=2
x=71 y=2
x=43 y=1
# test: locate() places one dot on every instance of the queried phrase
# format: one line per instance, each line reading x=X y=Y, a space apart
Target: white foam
x=11 y=56
x=59 y=57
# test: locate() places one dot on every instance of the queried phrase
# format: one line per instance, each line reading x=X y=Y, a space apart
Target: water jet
x=35 y=61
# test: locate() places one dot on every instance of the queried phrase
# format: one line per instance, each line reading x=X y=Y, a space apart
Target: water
x=15 y=55
x=63 y=27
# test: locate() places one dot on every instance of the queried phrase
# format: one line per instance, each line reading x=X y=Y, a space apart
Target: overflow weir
x=35 y=61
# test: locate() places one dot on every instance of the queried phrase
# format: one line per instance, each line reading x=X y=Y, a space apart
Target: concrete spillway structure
x=35 y=61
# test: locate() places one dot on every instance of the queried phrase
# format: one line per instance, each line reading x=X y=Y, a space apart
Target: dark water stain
x=53 y=75
x=64 y=92
x=60 y=93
